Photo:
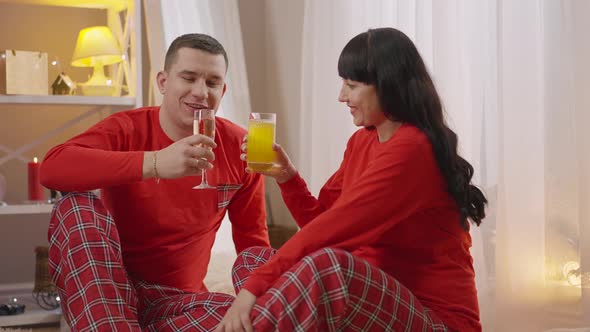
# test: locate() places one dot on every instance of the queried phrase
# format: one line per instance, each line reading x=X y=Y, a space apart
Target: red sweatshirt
x=166 y=229
x=388 y=204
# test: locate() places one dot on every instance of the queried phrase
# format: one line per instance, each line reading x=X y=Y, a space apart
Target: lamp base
x=97 y=90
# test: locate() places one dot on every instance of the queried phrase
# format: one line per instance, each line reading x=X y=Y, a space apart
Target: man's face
x=195 y=80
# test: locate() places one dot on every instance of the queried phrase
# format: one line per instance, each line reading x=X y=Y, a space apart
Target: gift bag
x=23 y=73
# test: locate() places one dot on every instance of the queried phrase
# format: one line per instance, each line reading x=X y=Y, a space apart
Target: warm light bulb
x=574 y=278
x=571 y=271
x=35 y=160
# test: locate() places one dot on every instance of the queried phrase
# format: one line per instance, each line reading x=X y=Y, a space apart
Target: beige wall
x=272 y=33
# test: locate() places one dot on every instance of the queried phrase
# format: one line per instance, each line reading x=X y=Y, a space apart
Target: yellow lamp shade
x=96 y=45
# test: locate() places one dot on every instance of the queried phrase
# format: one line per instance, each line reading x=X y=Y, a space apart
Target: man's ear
x=224 y=89
x=161 y=79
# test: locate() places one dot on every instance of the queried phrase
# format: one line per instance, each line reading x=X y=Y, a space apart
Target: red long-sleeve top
x=166 y=229
x=388 y=204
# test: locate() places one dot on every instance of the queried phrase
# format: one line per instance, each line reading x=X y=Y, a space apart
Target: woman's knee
x=330 y=256
x=331 y=251
x=255 y=251
x=253 y=256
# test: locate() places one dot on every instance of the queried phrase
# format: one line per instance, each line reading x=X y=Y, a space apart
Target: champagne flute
x=204 y=124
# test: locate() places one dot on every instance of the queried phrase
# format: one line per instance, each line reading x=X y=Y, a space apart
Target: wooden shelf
x=33 y=314
x=67 y=100
x=26 y=209
x=117 y=5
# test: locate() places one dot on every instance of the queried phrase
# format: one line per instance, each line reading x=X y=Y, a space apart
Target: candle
x=35 y=188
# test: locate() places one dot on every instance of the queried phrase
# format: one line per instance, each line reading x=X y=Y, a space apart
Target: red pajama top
x=166 y=229
x=388 y=204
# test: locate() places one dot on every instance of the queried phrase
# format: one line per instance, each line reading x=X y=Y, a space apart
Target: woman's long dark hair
x=387 y=59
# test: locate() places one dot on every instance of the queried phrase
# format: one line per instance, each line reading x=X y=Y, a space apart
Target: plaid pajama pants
x=332 y=290
x=97 y=295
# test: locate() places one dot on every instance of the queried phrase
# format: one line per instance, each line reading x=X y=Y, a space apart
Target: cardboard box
x=23 y=73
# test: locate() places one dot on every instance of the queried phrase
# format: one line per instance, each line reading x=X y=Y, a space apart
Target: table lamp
x=96 y=47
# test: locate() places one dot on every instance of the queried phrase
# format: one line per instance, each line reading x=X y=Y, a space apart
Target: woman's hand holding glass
x=282 y=169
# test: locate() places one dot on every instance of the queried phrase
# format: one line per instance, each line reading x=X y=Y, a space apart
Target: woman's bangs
x=353 y=61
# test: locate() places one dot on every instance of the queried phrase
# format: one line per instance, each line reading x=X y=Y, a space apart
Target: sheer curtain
x=514 y=78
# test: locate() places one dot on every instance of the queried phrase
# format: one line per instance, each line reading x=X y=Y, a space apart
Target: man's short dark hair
x=197 y=41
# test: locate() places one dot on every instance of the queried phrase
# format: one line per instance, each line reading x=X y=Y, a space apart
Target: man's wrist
x=149 y=171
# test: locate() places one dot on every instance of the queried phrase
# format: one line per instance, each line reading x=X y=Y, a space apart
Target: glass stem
x=204 y=177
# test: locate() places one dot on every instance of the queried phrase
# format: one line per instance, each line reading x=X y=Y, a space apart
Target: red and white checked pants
x=329 y=290
x=97 y=295
x=332 y=290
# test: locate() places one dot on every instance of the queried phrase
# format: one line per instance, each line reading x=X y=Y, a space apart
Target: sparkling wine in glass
x=204 y=124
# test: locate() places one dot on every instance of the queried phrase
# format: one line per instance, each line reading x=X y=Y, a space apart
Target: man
x=144 y=267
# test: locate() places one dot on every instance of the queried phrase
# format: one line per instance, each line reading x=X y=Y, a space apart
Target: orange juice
x=261 y=136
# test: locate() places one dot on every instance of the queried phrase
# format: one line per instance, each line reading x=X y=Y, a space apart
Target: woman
x=385 y=247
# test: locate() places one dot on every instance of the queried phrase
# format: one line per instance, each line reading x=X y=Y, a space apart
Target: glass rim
x=262 y=116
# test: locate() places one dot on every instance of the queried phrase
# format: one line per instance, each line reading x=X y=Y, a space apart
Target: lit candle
x=35 y=188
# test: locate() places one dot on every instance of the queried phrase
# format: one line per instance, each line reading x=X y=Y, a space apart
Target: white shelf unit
x=125 y=20
x=26 y=209
x=126 y=29
x=123 y=17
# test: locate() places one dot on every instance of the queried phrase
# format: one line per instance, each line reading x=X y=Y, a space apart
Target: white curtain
x=514 y=77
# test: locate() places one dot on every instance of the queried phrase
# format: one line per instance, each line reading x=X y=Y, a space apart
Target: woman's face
x=363 y=102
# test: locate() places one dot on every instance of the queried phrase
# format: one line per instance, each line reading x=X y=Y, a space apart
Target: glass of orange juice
x=261 y=137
